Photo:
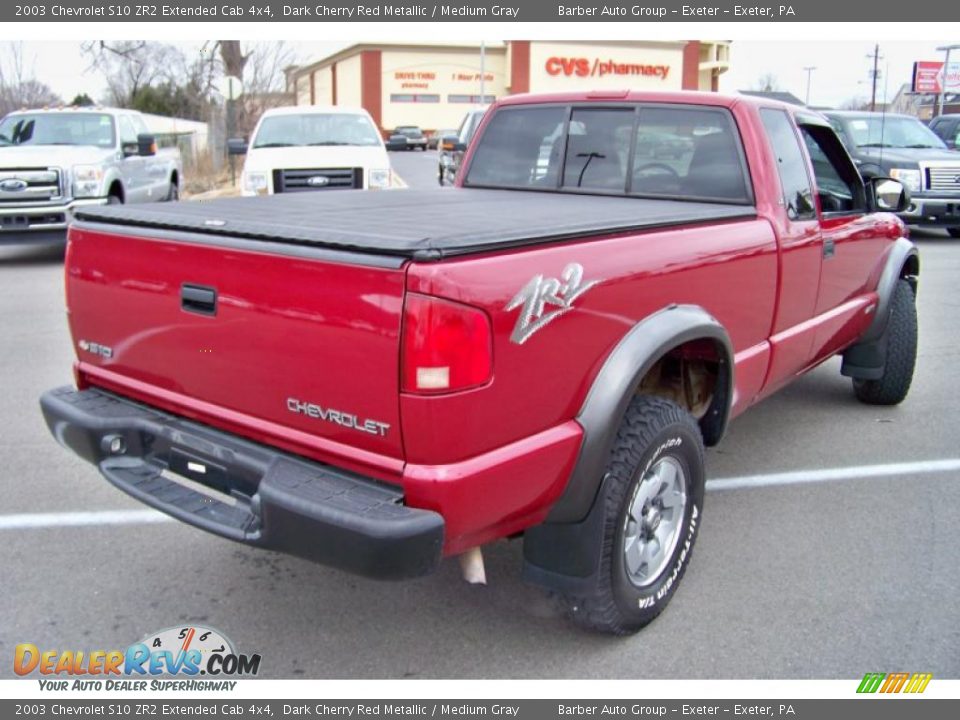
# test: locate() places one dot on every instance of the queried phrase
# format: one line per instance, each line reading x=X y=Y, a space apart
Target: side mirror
x=146 y=145
x=236 y=146
x=451 y=143
x=889 y=195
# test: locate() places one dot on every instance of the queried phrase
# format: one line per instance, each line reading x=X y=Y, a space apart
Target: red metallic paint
x=285 y=327
x=491 y=459
x=497 y=493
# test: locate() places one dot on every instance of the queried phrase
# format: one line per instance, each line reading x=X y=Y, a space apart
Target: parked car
x=947 y=128
x=453 y=147
x=407 y=137
x=545 y=353
x=308 y=148
x=902 y=147
x=53 y=161
x=433 y=139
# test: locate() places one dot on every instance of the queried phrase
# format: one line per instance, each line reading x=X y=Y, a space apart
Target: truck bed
x=419 y=224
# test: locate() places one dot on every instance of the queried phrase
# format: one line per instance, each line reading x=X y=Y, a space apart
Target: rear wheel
x=173 y=193
x=114 y=199
x=954 y=232
x=892 y=387
x=653 y=495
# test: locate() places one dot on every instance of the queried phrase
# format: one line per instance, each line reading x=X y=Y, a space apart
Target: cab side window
x=128 y=134
x=139 y=126
x=797 y=193
x=839 y=187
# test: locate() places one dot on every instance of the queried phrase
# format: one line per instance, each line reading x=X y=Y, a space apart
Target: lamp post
x=809 y=70
x=483 y=69
x=946 y=68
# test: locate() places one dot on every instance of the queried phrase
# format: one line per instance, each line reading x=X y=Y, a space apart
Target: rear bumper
x=245 y=491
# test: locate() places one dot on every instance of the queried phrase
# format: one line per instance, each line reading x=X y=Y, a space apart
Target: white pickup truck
x=53 y=161
x=305 y=148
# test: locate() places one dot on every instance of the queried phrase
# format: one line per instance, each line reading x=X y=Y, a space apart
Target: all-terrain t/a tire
x=892 y=387
x=653 y=495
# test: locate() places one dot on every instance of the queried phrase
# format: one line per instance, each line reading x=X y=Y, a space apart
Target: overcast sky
x=841 y=74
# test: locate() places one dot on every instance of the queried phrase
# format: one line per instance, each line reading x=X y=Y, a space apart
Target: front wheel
x=892 y=387
x=653 y=495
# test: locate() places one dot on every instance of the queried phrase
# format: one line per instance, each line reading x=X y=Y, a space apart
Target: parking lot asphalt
x=790 y=580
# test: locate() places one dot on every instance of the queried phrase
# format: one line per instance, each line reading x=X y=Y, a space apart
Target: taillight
x=447 y=346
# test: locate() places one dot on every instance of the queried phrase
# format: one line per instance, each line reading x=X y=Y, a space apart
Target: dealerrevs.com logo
x=184 y=652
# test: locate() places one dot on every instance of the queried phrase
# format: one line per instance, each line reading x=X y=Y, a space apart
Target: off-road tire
x=892 y=387
x=652 y=429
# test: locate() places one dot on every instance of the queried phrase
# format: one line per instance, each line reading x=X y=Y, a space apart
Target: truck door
x=798 y=229
x=132 y=166
x=155 y=171
x=851 y=242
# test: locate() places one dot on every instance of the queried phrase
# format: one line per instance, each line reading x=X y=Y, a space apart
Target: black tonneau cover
x=421 y=224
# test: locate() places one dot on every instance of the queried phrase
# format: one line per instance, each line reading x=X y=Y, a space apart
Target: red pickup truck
x=340 y=376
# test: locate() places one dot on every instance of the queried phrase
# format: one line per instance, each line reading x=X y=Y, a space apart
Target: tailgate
x=290 y=346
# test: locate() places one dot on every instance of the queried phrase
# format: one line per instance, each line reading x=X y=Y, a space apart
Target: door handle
x=828 y=248
x=198 y=299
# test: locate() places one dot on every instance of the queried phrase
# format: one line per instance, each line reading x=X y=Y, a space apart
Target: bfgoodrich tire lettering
x=655 y=433
x=892 y=387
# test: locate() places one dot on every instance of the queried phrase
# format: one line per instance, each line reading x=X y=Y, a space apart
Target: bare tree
x=130 y=65
x=855 y=103
x=264 y=81
x=157 y=77
x=18 y=86
x=767 y=82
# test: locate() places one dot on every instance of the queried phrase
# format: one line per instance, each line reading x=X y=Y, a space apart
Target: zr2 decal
x=541 y=292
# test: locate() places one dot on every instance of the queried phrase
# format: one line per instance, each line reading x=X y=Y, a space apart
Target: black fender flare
x=867 y=358
x=616 y=383
x=564 y=551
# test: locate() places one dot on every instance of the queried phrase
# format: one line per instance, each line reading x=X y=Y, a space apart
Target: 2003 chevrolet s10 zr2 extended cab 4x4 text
x=616 y=276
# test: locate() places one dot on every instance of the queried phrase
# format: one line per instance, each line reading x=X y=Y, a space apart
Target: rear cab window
x=646 y=150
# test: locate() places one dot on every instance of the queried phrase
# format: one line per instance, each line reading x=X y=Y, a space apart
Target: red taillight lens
x=446 y=346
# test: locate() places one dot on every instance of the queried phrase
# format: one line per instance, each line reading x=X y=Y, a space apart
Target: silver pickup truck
x=53 y=161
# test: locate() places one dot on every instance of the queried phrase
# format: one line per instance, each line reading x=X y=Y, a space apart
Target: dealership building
x=433 y=85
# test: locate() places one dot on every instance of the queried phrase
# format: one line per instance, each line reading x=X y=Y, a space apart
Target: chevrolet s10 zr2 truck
x=347 y=379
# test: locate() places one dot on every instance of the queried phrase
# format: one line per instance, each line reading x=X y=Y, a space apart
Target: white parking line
x=802 y=477
x=26 y=521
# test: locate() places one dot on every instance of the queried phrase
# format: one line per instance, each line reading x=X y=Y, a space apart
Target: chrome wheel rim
x=654 y=517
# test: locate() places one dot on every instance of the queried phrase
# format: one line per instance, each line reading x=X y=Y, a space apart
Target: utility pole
x=946 y=69
x=483 y=70
x=873 y=76
x=809 y=70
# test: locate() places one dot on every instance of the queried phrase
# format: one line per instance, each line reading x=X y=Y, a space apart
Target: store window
x=414 y=98
x=471 y=99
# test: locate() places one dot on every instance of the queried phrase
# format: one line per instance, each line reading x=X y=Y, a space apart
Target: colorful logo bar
x=894 y=682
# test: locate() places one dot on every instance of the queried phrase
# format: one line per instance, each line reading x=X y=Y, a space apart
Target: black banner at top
x=477 y=11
